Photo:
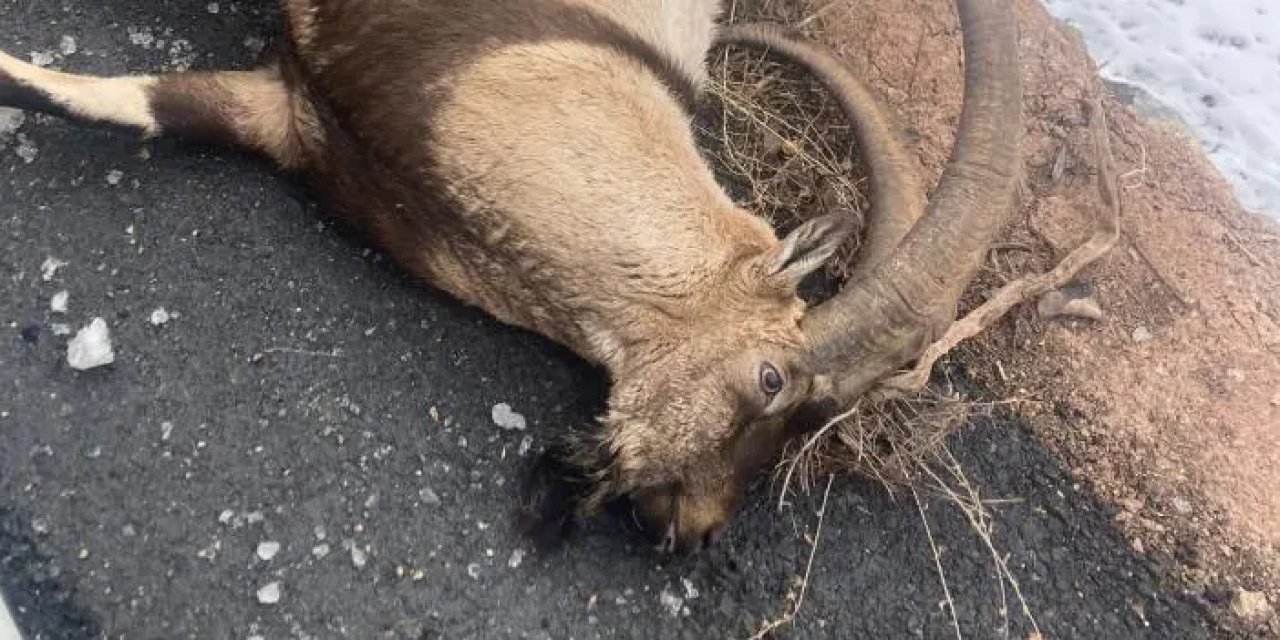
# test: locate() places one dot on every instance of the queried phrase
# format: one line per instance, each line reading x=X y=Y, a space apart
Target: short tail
x=252 y=110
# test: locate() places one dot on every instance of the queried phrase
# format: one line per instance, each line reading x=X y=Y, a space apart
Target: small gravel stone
x=526 y=443
x=473 y=570
x=26 y=149
x=43 y=58
x=1141 y=335
x=50 y=267
x=1064 y=303
x=506 y=418
x=1182 y=505
x=114 y=177
x=159 y=317
x=359 y=558
x=267 y=550
x=67 y=45
x=255 y=44
x=269 y=593
x=429 y=497
x=60 y=329
x=671 y=602
x=10 y=121
x=321 y=550
x=226 y=516
x=58 y=303
x=1251 y=605
x=517 y=557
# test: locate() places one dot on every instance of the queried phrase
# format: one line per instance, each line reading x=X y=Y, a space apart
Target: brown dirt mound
x=1170 y=406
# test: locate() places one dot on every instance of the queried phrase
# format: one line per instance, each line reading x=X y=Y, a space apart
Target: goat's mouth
x=655 y=514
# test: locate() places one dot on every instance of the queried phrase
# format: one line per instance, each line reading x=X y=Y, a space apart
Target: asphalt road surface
x=306 y=394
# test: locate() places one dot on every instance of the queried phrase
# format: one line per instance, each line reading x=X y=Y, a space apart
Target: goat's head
x=696 y=391
x=685 y=434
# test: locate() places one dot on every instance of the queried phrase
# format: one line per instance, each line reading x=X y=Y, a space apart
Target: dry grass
x=781 y=145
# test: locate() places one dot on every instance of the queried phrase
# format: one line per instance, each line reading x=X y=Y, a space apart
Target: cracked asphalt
x=305 y=393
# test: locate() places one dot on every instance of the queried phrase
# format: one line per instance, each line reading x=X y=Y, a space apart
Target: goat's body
x=432 y=137
x=534 y=159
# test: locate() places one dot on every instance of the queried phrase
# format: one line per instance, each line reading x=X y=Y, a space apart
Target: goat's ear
x=807 y=248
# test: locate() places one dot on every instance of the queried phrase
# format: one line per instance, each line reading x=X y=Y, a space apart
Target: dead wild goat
x=536 y=159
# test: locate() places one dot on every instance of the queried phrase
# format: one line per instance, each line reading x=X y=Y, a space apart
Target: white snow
x=1215 y=63
x=506 y=418
x=91 y=346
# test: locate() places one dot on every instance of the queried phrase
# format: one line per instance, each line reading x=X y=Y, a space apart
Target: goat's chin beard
x=570 y=483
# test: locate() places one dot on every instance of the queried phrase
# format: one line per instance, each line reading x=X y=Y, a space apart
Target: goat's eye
x=771 y=380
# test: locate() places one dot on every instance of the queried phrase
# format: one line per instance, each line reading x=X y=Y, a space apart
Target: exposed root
x=1106 y=233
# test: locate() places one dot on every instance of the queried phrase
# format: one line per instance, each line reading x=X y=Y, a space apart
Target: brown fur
x=535 y=159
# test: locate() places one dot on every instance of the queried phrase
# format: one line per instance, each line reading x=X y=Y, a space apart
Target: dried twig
x=790 y=616
x=937 y=562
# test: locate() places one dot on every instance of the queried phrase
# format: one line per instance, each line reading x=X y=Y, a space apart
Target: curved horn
x=897 y=200
x=880 y=322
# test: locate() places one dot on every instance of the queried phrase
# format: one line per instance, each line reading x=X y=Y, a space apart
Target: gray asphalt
x=291 y=400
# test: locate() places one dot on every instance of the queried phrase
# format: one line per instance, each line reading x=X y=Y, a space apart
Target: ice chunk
x=58 y=303
x=91 y=346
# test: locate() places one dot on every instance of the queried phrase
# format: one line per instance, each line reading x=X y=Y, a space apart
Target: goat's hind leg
x=252 y=110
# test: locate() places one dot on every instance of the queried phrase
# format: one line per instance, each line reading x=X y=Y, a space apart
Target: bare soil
x=1169 y=407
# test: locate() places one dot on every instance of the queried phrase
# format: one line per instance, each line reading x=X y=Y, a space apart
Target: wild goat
x=536 y=159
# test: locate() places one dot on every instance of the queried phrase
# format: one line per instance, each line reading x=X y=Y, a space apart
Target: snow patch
x=1215 y=64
